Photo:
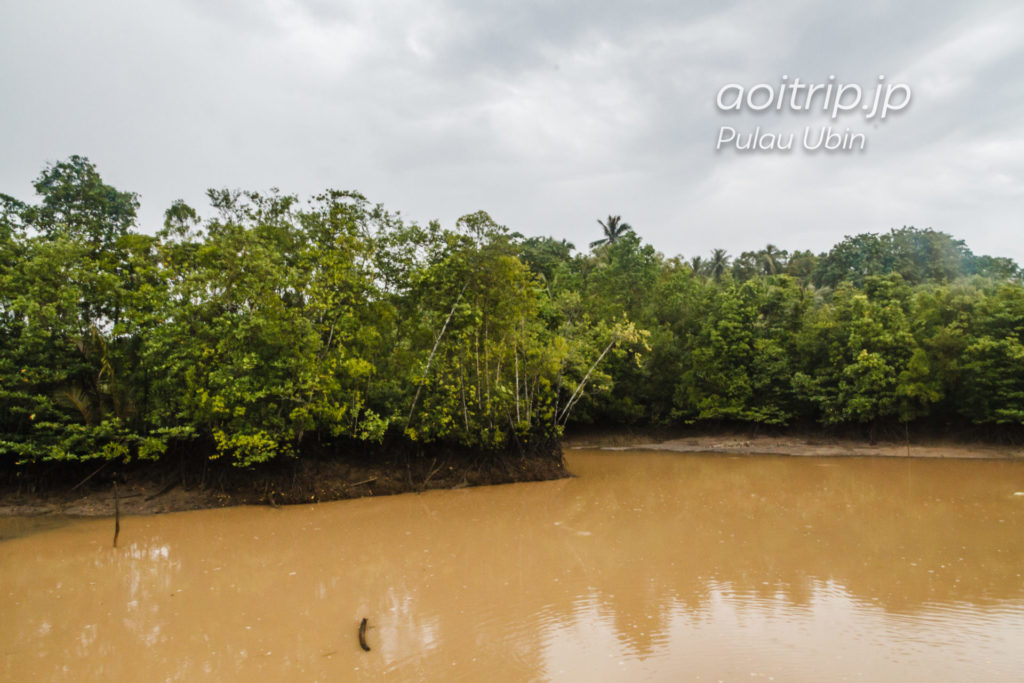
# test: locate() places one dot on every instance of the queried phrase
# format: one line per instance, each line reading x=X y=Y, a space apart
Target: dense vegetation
x=279 y=324
x=273 y=326
x=899 y=327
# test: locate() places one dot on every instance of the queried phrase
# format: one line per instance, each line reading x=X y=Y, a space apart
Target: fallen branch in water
x=362 y=635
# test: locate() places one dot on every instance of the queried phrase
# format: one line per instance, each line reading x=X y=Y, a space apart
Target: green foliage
x=274 y=325
x=739 y=366
x=76 y=204
x=917 y=255
x=278 y=324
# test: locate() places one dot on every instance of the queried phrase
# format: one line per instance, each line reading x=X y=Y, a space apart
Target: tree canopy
x=279 y=324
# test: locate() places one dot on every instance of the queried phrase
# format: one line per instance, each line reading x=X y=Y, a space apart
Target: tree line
x=274 y=326
x=278 y=324
x=904 y=326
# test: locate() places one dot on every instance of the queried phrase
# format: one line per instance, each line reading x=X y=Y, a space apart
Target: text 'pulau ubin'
x=831 y=98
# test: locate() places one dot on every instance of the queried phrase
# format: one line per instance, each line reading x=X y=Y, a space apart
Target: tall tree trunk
x=430 y=358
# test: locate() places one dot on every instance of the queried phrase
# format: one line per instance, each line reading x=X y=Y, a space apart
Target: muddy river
x=646 y=566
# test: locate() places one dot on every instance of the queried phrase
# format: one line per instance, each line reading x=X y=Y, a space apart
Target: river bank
x=143 y=491
x=806 y=445
x=153 y=489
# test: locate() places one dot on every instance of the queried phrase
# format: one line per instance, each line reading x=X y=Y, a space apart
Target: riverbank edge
x=148 y=488
x=156 y=490
x=796 y=444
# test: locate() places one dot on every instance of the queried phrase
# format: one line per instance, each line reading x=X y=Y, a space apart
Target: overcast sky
x=546 y=115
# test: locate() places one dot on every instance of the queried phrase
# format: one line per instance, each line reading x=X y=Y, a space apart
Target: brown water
x=648 y=566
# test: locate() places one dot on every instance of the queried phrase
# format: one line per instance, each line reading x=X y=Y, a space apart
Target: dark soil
x=189 y=483
x=189 y=480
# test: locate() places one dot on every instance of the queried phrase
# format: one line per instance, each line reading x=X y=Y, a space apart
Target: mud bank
x=803 y=445
x=160 y=488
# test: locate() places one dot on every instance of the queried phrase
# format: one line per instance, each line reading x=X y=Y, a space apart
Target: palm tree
x=698 y=265
x=718 y=264
x=614 y=229
x=771 y=259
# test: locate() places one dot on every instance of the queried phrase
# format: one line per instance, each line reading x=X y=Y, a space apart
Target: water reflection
x=646 y=566
x=15 y=527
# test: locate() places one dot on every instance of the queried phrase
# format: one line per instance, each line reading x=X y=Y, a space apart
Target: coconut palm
x=718 y=264
x=771 y=259
x=614 y=229
x=698 y=265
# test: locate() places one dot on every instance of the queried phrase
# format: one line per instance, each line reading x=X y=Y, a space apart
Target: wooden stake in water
x=117 y=513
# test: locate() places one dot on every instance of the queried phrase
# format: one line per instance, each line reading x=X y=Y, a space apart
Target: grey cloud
x=548 y=115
